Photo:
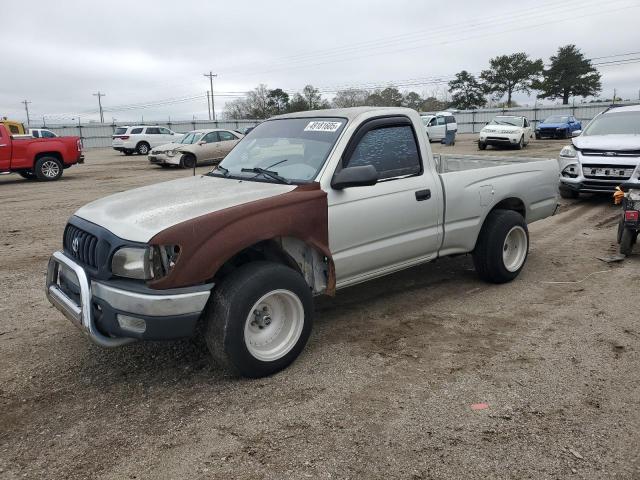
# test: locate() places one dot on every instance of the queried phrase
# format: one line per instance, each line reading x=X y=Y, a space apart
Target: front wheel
x=502 y=247
x=520 y=144
x=482 y=146
x=259 y=319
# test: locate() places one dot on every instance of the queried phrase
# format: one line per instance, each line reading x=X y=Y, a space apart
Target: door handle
x=423 y=195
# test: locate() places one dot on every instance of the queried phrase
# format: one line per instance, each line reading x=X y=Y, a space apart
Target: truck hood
x=140 y=214
x=608 y=142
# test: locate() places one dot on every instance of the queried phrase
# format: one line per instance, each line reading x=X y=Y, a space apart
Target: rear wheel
x=482 y=146
x=259 y=319
x=502 y=247
x=48 y=168
x=627 y=239
x=142 y=148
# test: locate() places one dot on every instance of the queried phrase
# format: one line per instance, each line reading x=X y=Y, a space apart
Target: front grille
x=610 y=153
x=601 y=186
x=81 y=245
x=608 y=172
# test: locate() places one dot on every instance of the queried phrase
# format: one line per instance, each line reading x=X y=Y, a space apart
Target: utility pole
x=211 y=75
x=26 y=108
x=208 y=105
x=614 y=96
x=99 y=95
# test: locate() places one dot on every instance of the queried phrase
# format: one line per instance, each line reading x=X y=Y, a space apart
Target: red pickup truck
x=39 y=158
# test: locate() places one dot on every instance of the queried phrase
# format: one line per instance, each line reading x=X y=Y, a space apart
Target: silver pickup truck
x=305 y=204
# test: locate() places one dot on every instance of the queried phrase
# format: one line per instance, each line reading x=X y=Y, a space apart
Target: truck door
x=393 y=223
x=5 y=150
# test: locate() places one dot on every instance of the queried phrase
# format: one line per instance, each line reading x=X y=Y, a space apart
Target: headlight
x=147 y=263
x=571 y=171
x=568 y=152
x=171 y=153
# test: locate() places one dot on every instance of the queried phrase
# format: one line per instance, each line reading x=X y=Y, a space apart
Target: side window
x=153 y=131
x=432 y=122
x=47 y=134
x=450 y=119
x=36 y=134
x=526 y=122
x=136 y=131
x=224 y=136
x=391 y=150
x=210 y=137
x=164 y=131
x=440 y=120
x=13 y=129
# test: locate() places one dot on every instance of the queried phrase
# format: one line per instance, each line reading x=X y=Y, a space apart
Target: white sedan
x=506 y=130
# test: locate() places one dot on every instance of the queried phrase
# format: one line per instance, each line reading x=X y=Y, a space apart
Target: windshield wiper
x=267 y=173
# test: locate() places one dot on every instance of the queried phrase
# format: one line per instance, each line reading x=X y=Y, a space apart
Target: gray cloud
x=144 y=51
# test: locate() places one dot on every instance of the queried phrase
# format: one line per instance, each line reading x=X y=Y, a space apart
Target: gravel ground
x=385 y=388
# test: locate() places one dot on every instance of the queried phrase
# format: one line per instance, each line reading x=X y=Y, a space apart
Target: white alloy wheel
x=274 y=325
x=50 y=169
x=514 y=250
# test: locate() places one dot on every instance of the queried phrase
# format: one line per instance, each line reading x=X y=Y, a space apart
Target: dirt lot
x=384 y=389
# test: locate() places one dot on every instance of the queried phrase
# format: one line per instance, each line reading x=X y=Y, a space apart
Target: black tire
x=143 y=148
x=620 y=230
x=229 y=308
x=482 y=146
x=627 y=239
x=569 y=193
x=48 y=169
x=537 y=137
x=128 y=152
x=28 y=174
x=187 y=161
x=520 y=144
x=164 y=165
x=488 y=255
x=565 y=134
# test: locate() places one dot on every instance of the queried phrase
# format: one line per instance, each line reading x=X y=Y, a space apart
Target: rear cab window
x=136 y=131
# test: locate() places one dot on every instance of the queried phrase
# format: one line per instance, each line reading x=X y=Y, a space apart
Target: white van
x=436 y=125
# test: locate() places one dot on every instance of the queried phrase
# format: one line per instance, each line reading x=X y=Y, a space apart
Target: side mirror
x=576 y=133
x=362 y=176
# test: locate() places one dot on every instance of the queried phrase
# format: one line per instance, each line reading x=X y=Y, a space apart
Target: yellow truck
x=14 y=128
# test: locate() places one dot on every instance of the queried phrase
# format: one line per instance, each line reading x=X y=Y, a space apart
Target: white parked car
x=506 y=130
x=42 y=133
x=437 y=125
x=142 y=139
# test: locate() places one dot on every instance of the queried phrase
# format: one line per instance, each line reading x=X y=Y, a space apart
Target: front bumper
x=596 y=174
x=552 y=133
x=163 y=159
x=112 y=316
x=498 y=139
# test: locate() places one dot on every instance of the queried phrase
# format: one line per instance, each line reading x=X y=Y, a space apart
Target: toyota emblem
x=75 y=245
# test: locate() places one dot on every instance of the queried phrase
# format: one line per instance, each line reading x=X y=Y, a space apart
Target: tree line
x=569 y=74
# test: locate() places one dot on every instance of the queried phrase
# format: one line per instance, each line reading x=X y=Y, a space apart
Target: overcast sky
x=57 y=54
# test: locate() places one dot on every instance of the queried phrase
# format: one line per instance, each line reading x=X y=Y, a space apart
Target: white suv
x=141 y=139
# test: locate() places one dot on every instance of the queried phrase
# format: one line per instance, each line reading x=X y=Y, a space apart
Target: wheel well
x=48 y=154
x=141 y=142
x=512 y=203
x=288 y=251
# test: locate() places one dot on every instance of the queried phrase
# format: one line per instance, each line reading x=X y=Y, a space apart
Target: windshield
x=191 y=137
x=426 y=120
x=120 y=130
x=615 y=123
x=557 y=119
x=294 y=148
x=514 y=121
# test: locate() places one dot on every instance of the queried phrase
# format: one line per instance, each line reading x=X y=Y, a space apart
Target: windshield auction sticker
x=322 y=126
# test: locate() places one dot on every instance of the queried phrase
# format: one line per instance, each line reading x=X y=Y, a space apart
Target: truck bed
x=472 y=183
